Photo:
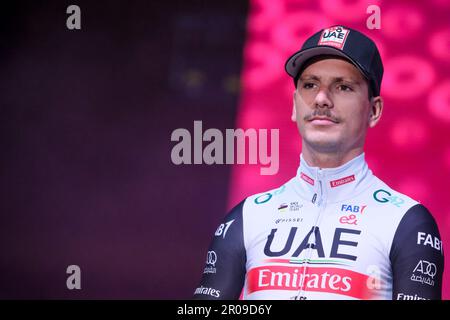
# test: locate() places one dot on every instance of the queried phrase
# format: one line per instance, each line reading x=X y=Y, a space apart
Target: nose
x=322 y=99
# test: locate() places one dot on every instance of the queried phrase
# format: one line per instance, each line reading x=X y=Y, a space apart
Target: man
x=335 y=231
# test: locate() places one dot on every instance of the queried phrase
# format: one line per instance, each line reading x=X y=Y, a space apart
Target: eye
x=308 y=85
x=343 y=87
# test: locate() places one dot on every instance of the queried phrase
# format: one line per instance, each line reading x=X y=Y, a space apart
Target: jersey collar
x=333 y=184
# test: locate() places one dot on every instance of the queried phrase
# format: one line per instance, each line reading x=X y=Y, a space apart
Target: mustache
x=322 y=113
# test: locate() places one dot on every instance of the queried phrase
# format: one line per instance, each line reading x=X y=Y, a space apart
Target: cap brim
x=296 y=61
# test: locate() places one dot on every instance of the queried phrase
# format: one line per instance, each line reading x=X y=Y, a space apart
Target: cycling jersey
x=338 y=233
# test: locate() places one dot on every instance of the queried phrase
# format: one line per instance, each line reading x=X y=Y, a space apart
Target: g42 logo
x=385 y=196
x=267 y=196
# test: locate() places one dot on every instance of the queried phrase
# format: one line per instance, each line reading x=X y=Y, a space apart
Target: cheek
x=358 y=119
x=301 y=108
x=307 y=97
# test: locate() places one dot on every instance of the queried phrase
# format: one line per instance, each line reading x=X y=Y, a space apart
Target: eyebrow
x=334 y=79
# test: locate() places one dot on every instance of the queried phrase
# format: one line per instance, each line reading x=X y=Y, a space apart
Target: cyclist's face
x=331 y=106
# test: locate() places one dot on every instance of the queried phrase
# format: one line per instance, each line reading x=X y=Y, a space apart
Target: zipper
x=321 y=205
x=314 y=198
x=321 y=194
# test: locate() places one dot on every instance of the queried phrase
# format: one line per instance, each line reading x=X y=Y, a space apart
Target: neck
x=328 y=159
x=332 y=184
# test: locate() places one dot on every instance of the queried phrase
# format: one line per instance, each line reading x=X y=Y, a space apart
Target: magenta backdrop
x=409 y=149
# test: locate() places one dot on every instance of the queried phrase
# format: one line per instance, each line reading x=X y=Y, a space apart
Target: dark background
x=86 y=120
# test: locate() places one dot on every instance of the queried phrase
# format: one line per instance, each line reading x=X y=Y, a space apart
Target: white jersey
x=337 y=233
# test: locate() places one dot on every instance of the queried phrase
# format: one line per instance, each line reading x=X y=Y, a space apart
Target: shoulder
x=411 y=217
x=386 y=208
x=419 y=224
x=266 y=196
x=390 y=199
x=254 y=206
x=268 y=200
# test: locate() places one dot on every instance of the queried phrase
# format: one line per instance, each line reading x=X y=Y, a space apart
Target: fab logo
x=353 y=208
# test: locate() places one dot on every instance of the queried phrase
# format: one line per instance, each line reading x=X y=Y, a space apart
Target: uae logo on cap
x=334 y=36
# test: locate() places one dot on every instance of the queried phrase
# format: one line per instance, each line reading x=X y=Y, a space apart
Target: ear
x=376 y=109
x=294 y=112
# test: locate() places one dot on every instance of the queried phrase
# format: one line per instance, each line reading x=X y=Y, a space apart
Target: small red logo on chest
x=307 y=178
x=340 y=182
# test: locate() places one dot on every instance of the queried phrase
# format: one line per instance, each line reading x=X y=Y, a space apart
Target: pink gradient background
x=409 y=149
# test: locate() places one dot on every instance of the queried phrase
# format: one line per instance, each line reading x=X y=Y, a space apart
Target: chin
x=323 y=143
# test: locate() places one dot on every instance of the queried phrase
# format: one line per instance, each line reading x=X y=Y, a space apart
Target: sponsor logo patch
x=384 y=196
x=424 y=272
x=211 y=259
x=307 y=178
x=350 y=219
x=353 y=208
x=223 y=228
x=292 y=220
x=426 y=239
x=403 y=296
x=265 y=197
x=292 y=206
x=334 y=36
x=318 y=279
x=340 y=182
x=208 y=291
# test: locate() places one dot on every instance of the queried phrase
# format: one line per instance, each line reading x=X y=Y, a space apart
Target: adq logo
x=211 y=258
x=426 y=268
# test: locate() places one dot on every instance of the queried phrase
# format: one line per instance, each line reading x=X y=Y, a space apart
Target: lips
x=322 y=120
